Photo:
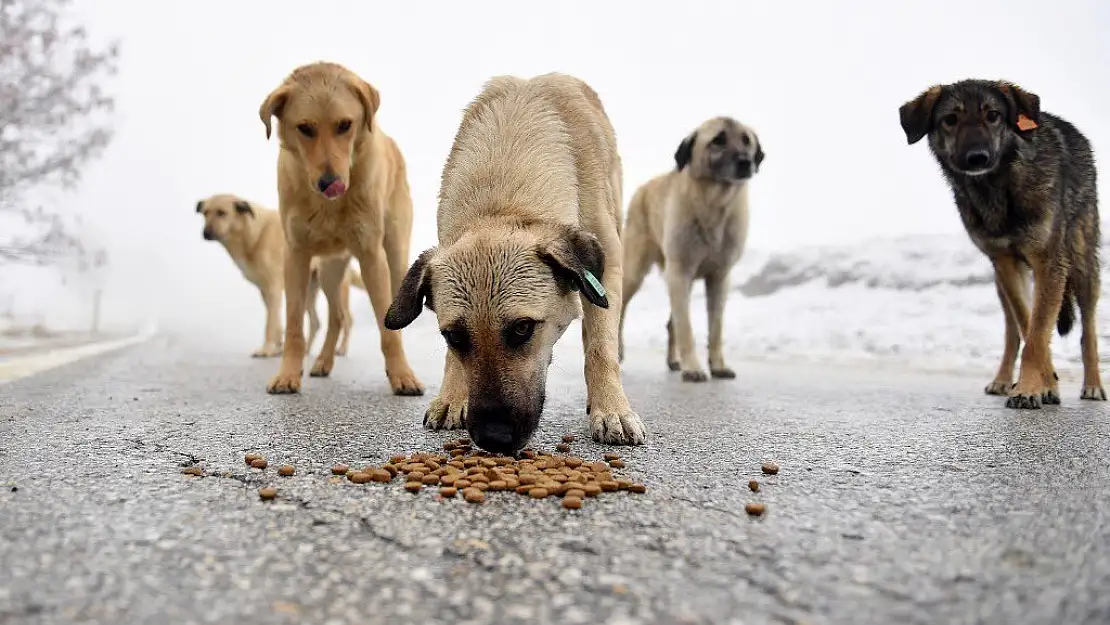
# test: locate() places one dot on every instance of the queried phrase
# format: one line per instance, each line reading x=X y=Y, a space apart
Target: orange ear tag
x=1024 y=123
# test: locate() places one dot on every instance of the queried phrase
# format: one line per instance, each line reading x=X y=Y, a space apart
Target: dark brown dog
x=1024 y=184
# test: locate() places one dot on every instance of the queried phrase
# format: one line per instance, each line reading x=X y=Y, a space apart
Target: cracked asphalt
x=902 y=498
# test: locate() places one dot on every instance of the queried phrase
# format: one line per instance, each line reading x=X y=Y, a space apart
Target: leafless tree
x=54 y=119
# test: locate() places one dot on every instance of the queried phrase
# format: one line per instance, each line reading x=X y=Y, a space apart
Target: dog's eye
x=520 y=332
x=343 y=127
x=949 y=120
x=457 y=339
x=746 y=140
x=306 y=130
x=994 y=116
x=221 y=213
x=720 y=139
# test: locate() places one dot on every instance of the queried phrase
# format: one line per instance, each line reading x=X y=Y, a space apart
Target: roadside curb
x=26 y=366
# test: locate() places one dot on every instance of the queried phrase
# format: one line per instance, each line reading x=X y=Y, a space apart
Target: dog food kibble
x=193 y=471
x=538 y=492
x=770 y=468
x=413 y=487
x=447 y=491
x=397 y=460
x=381 y=475
x=569 y=438
x=251 y=457
x=616 y=463
x=574 y=492
x=609 y=486
x=592 y=490
x=610 y=456
x=340 y=469
x=286 y=470
x=754 y=485
x=359 y=478
x=637 y=488
x=258 y=463
x=267 y=493
x=754 y=509
x=473 y=495
x=572 y=503
x=563 y=447
x=430 y=480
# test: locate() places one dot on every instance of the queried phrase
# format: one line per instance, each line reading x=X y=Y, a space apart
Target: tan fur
x=530 y=200
x=372 y=220
x=693 y=223
x=254 y=240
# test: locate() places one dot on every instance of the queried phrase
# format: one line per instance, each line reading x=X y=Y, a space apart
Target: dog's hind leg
x=680 y=330
x=1037 y=383
x=331 y=276
x=346 y=321
x=310 y=307
x=1010 y=282
x=716 y=294
x=639 y=256
x=271 y=297
x=1087 y=288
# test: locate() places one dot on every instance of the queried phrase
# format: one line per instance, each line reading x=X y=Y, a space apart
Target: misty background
x=842 y=210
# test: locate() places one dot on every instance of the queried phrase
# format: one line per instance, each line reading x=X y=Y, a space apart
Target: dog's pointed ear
x=1024 y=108
x=685 y=151
x=272 y=106
x=759 y=155
x=577 y=257
x=917 y=114
x=244 y=208
x=200 y=206
x=371 y=100
x=414 y=291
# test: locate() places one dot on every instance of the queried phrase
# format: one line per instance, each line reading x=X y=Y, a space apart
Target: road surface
x=902 y=498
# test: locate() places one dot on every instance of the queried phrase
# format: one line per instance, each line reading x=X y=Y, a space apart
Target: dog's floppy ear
x=577 y=257
x=244 y=208
x=371 y=100
x=200 y=206
x=414 y=290
x=1025 y=108
x=759 y=155
x=917 y=114
x=685 y=151
x=273 y=105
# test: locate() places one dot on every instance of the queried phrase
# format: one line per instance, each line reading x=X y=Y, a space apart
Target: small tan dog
x=251 y=235
x=529 y=226
x=693 y=223
x=342 y=190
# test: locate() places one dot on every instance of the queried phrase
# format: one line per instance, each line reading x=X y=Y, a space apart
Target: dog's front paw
x=999 y=387
x=696 y=375
x=267 y=351
x=284 y=383
x=722 y=373
x=445 y=415
x=1093 y=392
x=405 y=383
x=673 y=365
x=322 y=368
x=617 y=427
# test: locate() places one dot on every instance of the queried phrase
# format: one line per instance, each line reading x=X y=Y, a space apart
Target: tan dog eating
x=342 y=191
x=251 y=235
x=529 y=225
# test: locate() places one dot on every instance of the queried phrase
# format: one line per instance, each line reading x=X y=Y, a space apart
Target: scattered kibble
x=638 y=488
x=617 y=463
x=572 y=503
x=340 y=469
x=286 y=470
x=448 y=491
x=770 y=468
x=754 y=485
x=359 y=477
x=251 y=457
x=610 y=456
x=413 y=487
x=267 y=493
x=569 y=438
x=258 y=463
x=197 y=471
x=563 y=447
x=473 y=495
x=754 y=509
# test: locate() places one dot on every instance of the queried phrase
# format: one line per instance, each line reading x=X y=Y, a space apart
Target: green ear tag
x=600 y=290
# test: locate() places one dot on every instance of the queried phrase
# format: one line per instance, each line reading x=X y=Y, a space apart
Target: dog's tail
x=1066 y=319
x=355 y=276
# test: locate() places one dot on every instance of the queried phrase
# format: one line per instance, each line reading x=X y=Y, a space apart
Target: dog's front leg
x=376 y=276
x=448 y=410
x=681 y=332
x=288 y=379
x=1037 y=381
x=716 y=294
x=271 y=297
x=1010 y=283
x=330 y=273
x=611 y=417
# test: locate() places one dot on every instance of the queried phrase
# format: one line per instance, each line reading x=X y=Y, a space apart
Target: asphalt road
x=902 y=498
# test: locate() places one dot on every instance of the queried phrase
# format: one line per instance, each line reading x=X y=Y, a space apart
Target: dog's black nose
x=976 y=159
x=325 y=181
x=208 y=235
x=491 y=427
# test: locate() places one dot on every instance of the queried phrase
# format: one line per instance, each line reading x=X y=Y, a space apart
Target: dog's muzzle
x=209 y=235
x=497 y=428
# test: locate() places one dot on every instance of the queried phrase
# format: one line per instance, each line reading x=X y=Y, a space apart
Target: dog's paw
x=1030 y=401
x=1050 y=397
x=341 y=351
x=266 y=351
x=673 y=365
x=1093 y=392
x=617 y=428
x=284 y=383
x=444 y=415
x=723 y=373
x=697 y=375
x=322 y=368
x=405 y=384
x=999 y=387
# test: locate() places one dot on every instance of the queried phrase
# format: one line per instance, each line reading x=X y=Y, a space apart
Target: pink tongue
x=335 y=189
